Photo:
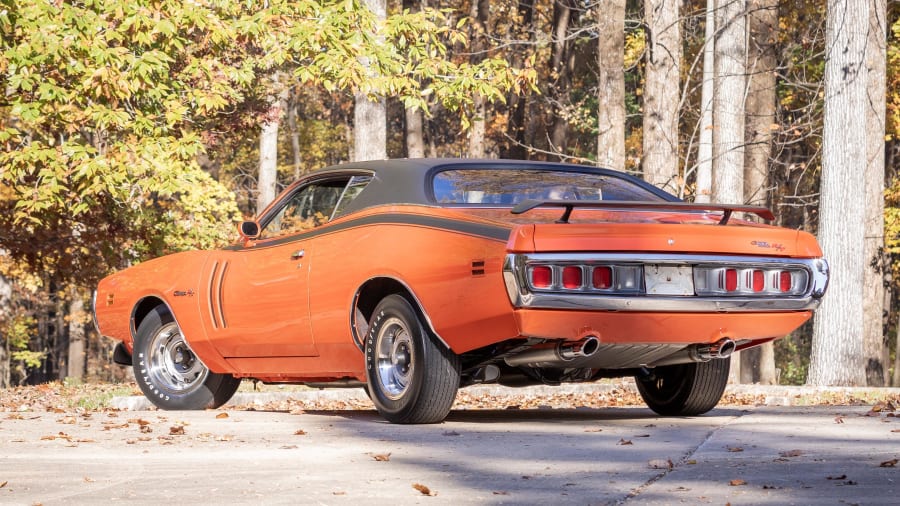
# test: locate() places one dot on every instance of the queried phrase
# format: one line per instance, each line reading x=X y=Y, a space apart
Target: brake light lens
x=541 y=276
x=601 y=278
x=571 y=277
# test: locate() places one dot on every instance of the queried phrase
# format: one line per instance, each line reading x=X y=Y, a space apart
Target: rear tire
x=412 y=377
x=685 y=389
x=168 y=371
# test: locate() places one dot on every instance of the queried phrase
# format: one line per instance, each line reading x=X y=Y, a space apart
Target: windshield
x=511 y=186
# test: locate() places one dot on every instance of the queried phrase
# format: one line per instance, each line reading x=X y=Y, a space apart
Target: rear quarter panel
x=451 y=263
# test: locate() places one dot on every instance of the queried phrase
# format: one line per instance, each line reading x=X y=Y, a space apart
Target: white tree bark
x=874 y=346
x=75 y=365
x=662 y=93
x=837 y=346
x=728 y=113
x=703 y=191
x=728 y=102
x=611 y=93
x=267 y=181
x=415 y=138
x=6 y=311
x=370 y=115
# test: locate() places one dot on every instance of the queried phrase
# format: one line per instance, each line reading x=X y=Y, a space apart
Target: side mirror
x=249 y=229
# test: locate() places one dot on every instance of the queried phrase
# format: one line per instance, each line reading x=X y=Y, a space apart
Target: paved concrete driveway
x=763 y=455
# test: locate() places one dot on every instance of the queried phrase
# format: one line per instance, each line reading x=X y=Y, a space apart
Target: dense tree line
x=134 y=129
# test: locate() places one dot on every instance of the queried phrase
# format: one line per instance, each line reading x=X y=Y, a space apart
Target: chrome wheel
x=394 y=358
x=171 y=364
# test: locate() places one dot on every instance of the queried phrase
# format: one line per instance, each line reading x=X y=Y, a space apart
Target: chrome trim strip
x=515 y=268
x=221 y=295
x=212 y=291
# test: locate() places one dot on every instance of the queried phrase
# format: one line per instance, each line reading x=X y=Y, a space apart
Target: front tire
x=168 y=371
x=412 y=378
x=685 y=389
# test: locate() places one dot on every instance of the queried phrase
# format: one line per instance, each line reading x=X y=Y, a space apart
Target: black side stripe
x=493 y=232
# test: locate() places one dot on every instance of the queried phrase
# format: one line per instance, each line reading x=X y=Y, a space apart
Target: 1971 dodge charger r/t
x=414 y=278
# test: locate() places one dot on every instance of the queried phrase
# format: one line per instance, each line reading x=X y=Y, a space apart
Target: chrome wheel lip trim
x=394 y=361
x=167 y=374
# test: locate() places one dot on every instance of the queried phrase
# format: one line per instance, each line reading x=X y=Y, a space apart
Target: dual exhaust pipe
x=563 y=352
x=555 y=355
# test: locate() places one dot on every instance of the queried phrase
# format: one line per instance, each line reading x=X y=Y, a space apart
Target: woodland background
x=132 y=129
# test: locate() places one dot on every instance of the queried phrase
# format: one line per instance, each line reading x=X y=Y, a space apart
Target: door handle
x=297 y=254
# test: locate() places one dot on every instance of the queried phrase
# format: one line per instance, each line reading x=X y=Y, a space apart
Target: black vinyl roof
x=408 y=181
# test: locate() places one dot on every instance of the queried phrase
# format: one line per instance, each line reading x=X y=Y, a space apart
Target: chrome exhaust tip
x=723 y=348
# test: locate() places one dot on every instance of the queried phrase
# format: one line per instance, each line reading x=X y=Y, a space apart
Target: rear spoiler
x=569 y=205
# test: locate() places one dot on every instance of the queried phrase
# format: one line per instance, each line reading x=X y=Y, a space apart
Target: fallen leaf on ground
x=221 y=416
x=889 y=463
x=500 y=492
x=288 y=447
x=88 y=479
x=299 y=432
x=841 y=477
x=624 y=442
x=3 y=484
x=424 y=490
x=737 y=483
x=381 y=457
x=661 y=464
x=593 y=430
x=176 y=430
x=450 y=433
x=735 y=449
x=839 y=419
x=791 y=453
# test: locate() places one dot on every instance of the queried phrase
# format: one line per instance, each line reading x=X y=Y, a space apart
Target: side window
x=307 y=208
x=354 y=188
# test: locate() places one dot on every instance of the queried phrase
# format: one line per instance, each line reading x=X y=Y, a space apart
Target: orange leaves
x=424 y=490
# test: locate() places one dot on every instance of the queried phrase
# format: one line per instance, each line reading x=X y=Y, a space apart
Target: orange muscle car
x=413 y=278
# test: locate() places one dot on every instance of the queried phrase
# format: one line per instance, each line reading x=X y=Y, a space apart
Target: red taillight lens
x=731 y=280
x=759 y=281
x=784 y=281
x=571 y=277
x=602 y=277
x=541 y=276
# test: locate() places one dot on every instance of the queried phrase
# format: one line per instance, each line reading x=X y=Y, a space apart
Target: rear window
x=511 y=186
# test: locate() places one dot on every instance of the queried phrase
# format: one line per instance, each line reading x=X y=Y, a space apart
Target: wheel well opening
x=367 y=298
x=141 y=311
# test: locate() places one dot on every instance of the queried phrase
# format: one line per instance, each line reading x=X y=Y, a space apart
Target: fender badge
x=181 y=293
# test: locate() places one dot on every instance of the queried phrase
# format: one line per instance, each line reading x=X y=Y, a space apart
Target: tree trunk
x=295 y=135
x=561 y=67
x=77 y=340
x=515 y=129
x=874 y=344
x=761 y=63
x=611 y=93
x=837 y=345
x=6 y=311
x=370 y=113
x=479 y=14
x=662 y=94
x=267 y=183
x=415 y=138
x=762 y=24
x=413 y=124
x=728 y=114
x=707 y=92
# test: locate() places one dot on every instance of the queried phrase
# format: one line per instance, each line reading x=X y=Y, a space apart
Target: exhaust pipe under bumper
x=556 y=355
x=723 y=348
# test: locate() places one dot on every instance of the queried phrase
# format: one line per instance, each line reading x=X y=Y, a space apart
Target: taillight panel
x=661 y=282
